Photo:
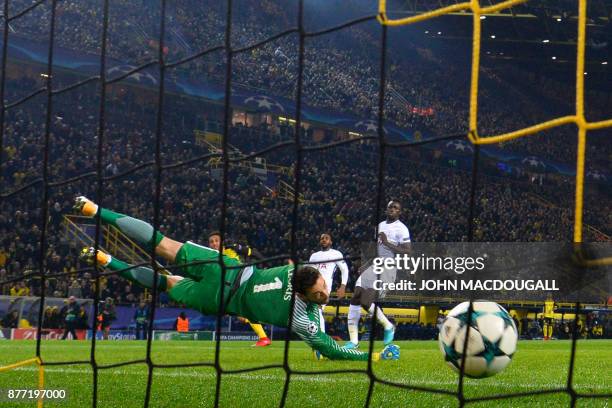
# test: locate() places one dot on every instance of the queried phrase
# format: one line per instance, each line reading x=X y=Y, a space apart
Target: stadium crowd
x=339 y=196
x=425 y=91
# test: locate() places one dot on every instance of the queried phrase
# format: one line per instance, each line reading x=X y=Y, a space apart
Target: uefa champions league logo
x=264 y=102
x=460 y=146
x=596 y=175
x=533 y=162
x=140 y=76
x=368 y=126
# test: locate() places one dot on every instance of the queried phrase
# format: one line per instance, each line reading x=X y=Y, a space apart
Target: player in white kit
x=393 y=238
x=326 y=261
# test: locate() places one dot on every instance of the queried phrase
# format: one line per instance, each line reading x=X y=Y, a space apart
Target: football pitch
x=537 y=366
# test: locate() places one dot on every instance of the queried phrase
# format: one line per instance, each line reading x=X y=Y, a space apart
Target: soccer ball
x=491 y=343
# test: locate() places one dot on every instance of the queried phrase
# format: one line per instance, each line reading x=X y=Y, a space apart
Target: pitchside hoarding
x=46 y=334
x=203 y=335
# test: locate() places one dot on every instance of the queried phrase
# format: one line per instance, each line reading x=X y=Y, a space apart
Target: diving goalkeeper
x=260 y=295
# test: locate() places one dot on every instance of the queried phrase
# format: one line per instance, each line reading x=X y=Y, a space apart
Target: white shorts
x=367 y=277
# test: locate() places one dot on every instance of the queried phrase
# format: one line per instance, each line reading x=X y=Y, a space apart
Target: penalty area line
x=352 y=379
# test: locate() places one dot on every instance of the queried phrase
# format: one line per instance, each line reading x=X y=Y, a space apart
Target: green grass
x=537 y=366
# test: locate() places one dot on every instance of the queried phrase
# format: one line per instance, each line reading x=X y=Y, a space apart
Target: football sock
x=140 y=274
x=380 y=316
x=354 y=314
x=258 y=329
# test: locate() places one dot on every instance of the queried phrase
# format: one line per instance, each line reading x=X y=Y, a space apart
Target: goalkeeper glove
x=318 y=356
x=390 y=352
x=242 y=250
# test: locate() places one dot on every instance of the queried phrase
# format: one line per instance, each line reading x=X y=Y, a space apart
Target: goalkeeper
x=260 y=295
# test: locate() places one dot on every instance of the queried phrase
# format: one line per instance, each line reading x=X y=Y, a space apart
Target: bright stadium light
x=604 y=63
x=559 y=19
x=439 y=32
x=545 y=41
x=554 y=58
x=493 y=36
x=483 y=17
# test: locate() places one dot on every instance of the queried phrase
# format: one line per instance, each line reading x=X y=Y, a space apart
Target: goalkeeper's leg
x=141 y=275
x=191 y=293
x=139 y=231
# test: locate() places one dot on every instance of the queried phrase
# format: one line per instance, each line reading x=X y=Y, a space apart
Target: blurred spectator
x=71 y=313
x=75 y=289
x=141 y=317
x=10 y=321
x=20 y=289
x=106 y=316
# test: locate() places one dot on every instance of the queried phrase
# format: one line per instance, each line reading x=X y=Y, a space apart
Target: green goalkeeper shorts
x=191 y=252
x=201 y=289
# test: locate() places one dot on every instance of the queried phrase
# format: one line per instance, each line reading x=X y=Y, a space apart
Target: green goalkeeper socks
x=133 y=228
x=140 y=274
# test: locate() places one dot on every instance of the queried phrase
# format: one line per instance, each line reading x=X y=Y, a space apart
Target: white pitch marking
x=302 y=378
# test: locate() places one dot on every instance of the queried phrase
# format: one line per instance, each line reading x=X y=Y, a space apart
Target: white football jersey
x=326 y=262
x=397 y=233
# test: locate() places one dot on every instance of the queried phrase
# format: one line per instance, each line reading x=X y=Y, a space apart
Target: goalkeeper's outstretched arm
x=311 y=291
x=309 y=331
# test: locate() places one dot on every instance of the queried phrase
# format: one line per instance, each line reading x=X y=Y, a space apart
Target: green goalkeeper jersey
x=264 y=296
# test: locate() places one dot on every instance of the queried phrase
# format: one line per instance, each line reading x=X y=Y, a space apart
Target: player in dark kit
x=71 y=313
x=141 y=317
x=106 y=316
x=260 y=295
